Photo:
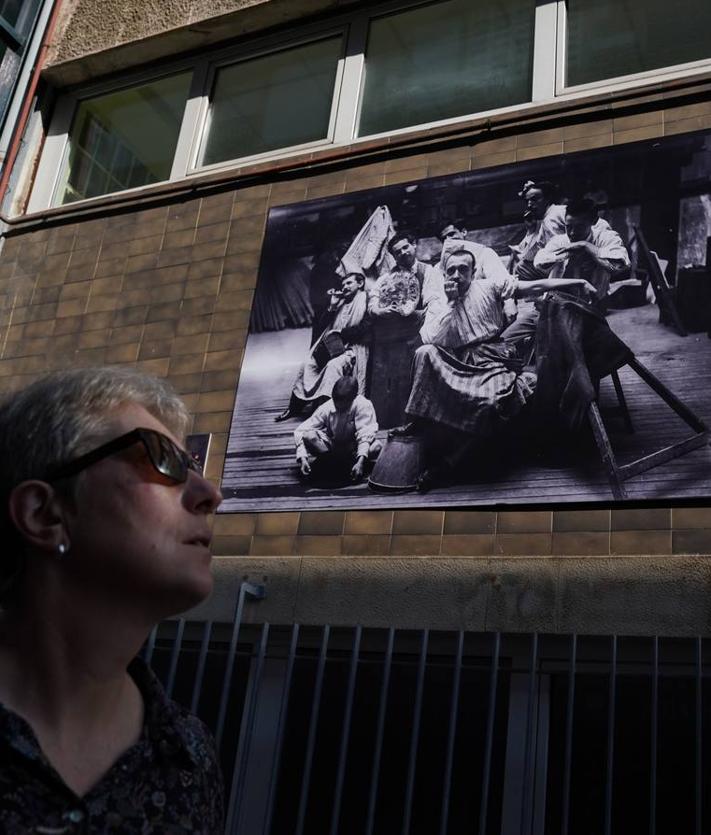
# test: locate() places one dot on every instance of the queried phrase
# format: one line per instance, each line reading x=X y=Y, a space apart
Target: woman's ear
x=37 y=513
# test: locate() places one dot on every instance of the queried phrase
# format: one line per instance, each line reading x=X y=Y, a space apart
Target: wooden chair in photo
x=576 y=349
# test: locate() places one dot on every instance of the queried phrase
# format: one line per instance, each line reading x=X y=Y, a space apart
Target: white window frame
x=54 y=155
x=547 y=86
x=203 y=116
x=617 y=82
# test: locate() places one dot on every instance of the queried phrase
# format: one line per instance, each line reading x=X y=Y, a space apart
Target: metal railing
x=338 y=730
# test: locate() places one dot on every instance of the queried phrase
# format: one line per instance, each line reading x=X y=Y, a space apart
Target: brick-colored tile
x=188 y=325
x=370 y=522
x=691 y=517
x=249 y=208
x=179 y=240
x=637 y=120
x=504 y=144
x=126 y=353
x=641 y=542
x=190 y=344
x=415 y=545
x=581 y=520
x=524 y=521
x=523 y=544
x=468 y=545
x=317 y=546
x=538 y=138
x=186 y=364
x=695 y=541
x=687 y=125
x=235 y=523
x=418 y=522
x=639 y=519
x=537 y=151
x=587 y=143
x=469 y=521
x=277 y=523
x=216 y=401
x=638 y=134
x=407 y=175
x=234 y=545
x=492 y=160
x=272 y=546
x=687 y=111
x=581 y=543
x=365 y=545
x=585 y=129
x=212 y=422
x=321 y=522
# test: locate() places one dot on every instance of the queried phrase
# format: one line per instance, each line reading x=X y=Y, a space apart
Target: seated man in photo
x=586 y=249
x=341 y=349
x=465 y=378
x=488 y=264
x=339 y=438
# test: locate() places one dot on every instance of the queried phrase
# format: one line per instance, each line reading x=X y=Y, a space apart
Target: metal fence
x=335 y=730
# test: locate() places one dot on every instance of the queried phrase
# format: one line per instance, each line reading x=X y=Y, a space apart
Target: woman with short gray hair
x=105 y=521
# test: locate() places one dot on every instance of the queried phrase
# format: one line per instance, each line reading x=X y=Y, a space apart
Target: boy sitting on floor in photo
x=338 y=439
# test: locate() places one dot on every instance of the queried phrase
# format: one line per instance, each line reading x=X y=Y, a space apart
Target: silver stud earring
x=62 y=549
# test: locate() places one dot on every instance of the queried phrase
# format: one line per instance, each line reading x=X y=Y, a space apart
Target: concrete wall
x=95 y=38
x=165 y=281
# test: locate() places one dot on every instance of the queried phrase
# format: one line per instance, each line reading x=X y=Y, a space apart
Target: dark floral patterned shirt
x=168 y=783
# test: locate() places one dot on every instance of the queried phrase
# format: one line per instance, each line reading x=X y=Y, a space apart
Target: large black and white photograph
x=527 y=334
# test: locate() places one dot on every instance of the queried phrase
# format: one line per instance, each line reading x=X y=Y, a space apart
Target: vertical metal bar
x=200 y=672
x=345 y=735
x=246 y=734
x=244 y=590
x=415 y=738
x=283 y=709
x=528 y=779
x=375 y=770
x=699 y=734
x=313 y=724
x=177 y=644
x=611 y=737
x=453 y=710
x=150 y=646
x=653 y=744
x=569 y=715
x=489 y=744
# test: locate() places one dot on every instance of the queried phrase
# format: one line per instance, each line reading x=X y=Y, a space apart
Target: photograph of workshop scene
x=525 y=334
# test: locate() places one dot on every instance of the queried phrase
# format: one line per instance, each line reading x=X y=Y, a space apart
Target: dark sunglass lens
x=165 y=456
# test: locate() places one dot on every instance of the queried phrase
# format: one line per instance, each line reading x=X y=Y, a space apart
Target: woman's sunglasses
x=166 y=457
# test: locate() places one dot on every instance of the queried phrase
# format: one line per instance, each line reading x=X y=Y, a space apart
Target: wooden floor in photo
x=260 y=472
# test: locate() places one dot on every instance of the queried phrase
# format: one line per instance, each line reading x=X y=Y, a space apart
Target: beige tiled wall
x=169 y=289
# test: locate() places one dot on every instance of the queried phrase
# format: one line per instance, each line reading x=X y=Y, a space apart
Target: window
x=398 y=65
x=612 y=38
x=17 y=19
x=124 y=139
x=446 y=60
x=273 y=101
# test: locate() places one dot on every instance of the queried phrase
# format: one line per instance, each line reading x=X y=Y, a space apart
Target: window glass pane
x=274 y=101
x=610 y=38
x=9 y=69
x=124 y=139
x=19 y=14
x=446 y=59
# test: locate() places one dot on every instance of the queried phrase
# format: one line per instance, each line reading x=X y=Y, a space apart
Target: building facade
x=171 y=130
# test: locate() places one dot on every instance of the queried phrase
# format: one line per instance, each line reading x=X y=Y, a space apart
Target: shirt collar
x=166 y=725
